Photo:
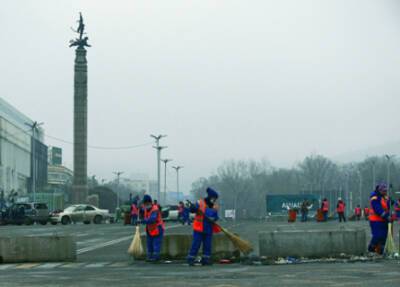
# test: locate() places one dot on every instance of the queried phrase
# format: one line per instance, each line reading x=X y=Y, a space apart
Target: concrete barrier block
x=15 y=249
x=312 y=243
x=176 y=247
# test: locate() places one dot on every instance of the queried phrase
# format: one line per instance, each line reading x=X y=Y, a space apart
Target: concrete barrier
x=312 y=243
x=176 y=247
x=14 y=249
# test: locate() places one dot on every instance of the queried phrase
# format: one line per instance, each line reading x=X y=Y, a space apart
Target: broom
x=136 y=249
x=390 y=246
x=244 y=246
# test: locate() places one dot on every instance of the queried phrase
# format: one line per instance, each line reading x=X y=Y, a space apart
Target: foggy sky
x=224 y=79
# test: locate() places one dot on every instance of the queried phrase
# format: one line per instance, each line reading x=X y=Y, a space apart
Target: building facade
x=16 y=154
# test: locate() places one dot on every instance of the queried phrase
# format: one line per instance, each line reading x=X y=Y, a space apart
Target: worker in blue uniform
x=379 y=217
x=206 y=214
x=186 y=215
x=154 y=228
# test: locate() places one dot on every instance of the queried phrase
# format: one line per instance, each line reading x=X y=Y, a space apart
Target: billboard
x=281 y=203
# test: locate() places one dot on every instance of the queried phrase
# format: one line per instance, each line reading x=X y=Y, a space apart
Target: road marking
x=72 y=265
x=120 y=264
x=49 y=265
x=96 y=265
x=6 y=266
x=113 y=242
x=27 y=266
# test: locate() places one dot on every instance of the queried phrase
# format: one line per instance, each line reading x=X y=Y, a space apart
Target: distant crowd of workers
x=148 y=212
x=381 y=211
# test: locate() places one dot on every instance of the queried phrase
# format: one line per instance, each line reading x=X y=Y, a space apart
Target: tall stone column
x=80 y=187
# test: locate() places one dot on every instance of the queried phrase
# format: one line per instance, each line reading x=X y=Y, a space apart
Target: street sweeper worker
x=379 y=217
x=325 y=208
x=206 y=214
x=154 y=228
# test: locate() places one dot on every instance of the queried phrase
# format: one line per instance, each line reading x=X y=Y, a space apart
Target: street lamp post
x=118 y=174
x=158 y=148
x=165 y=161
x=34 y=126
x=389 y=158
x=360 y=186
x=177 y=168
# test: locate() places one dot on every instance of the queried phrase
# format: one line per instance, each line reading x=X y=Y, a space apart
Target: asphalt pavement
x=103 y=260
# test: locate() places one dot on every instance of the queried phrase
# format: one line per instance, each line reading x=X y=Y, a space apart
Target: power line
x=101 y=147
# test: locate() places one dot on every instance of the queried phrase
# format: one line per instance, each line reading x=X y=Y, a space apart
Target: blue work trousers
x=198 y=239
x=379 y=232
x=154 y=244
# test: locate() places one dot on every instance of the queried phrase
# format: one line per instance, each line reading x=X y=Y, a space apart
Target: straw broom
x=390 y=246
x=244 y=246
x=136 y=249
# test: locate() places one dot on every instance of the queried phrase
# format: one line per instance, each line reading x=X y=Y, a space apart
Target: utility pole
x=165 y=161
x=158 y=148
x=373 y=162
x=360 y=186
x=118 y=174
x=389 y=158
x=34 y=126
x=177 y=168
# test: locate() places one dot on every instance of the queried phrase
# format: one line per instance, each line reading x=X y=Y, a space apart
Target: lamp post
x=177 y=168
x=118 y=174
x=360 y=186
x=389 y=158
x=158 y=148
x=34 y=126
x=165 y=161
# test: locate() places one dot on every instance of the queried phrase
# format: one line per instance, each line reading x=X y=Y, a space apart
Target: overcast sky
x=224 y=79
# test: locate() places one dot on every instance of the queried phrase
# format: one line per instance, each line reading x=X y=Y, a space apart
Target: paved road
x=102 y=259
x=124 y=274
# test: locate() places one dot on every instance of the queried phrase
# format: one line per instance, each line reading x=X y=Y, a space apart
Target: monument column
x=79 y=187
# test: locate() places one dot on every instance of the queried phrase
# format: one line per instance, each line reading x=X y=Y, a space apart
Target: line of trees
x=243 y=184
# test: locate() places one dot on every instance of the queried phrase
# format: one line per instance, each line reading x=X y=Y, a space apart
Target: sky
x=226 y=79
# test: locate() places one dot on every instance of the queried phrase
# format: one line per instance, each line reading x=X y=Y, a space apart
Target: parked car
x=26 y=213
x=80 y=213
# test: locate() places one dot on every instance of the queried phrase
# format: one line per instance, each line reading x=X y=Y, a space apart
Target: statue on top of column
x=80 y=42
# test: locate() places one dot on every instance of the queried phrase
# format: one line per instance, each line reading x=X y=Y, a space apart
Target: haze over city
x=224 y=80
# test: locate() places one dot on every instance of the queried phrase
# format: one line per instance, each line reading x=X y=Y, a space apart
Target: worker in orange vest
x=357 y=212
x=203 y=226
x=154 y=228
x=340 y=208
x=366 y=212
x=134 y=213
x=325 y=208
x=379 y=217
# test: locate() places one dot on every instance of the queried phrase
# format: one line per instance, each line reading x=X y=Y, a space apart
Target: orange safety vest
x=376 y=217
x=325 y=206
x=134 y=210
x=341 y=207
x=357 y=211
x=366 y=211
x=152 y=228
x=199 y=218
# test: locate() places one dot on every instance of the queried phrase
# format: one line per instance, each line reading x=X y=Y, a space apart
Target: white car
x=80 y=213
